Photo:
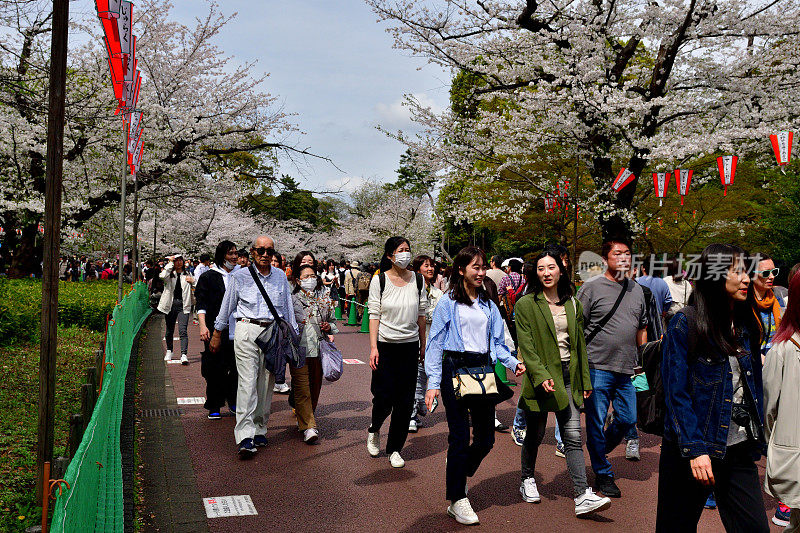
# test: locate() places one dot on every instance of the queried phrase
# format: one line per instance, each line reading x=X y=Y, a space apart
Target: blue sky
x=333 y=64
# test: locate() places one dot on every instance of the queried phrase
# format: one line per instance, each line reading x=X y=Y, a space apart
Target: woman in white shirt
x=397 y=306
x=467 y=332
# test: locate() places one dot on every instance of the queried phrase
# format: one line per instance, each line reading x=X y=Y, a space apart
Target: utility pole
x=155 y=230
x=52 y=236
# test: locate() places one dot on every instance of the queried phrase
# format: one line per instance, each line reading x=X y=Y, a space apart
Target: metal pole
x=135 y=270
x=52 y=235
x=575 y=229
x=123 y=179
x=155 y=230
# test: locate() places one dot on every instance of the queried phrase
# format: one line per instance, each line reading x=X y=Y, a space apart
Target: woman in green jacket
x=550 y=342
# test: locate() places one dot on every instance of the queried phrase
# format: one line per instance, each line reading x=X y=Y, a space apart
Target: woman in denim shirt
x=467 y=330
x=712 y=387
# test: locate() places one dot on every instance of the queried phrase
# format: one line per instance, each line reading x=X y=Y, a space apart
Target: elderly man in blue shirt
x=243 y=298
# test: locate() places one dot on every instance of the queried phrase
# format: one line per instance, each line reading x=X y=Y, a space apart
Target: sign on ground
x=223 y=506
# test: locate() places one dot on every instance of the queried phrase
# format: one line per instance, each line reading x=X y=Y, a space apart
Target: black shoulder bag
x=279 y=342
x=608 y=316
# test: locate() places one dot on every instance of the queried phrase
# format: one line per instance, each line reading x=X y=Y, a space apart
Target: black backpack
x=651 y=404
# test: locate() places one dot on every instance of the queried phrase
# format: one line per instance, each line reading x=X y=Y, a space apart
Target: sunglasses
x=263 y=250
x=767 y=273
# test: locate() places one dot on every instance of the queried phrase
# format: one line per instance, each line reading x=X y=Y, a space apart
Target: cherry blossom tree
x=204 y=117
x=596 y=86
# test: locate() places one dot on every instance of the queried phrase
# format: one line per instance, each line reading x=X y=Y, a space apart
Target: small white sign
x=353 y=362
x=223 y=506
x=197 y=400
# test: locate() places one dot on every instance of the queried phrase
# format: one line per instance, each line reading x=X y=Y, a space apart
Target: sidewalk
x=335 y=486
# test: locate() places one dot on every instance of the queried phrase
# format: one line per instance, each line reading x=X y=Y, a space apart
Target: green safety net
x=94 y=500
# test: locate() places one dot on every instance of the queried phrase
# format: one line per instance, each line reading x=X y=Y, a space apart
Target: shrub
x=79 y=304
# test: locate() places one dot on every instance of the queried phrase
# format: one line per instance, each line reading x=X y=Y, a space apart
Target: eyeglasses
x=263 y=250
x=767 y=273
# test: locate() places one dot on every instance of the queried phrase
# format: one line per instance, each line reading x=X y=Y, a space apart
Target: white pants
x=254 y=395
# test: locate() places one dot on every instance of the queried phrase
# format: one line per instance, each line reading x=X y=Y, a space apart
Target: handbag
x=331 y=359
x=279 y=341
x=474 y=381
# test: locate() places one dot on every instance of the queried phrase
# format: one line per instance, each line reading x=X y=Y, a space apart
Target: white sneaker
x=281 y=388
x=310 y=435
x=462 y=511
x=396 y=460
x=168 y=356
x=529 y=491
x=184 y=359
x=412 y=426
x=374 y=443
x=590 y=502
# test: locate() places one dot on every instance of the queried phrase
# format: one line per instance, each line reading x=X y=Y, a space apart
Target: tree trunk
x=27 y=253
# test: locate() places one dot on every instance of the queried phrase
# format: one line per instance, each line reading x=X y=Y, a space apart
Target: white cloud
x=345 y=184
x=397 y=115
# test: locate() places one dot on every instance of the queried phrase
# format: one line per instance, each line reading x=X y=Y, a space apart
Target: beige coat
x=782 y=417
x=165 y=303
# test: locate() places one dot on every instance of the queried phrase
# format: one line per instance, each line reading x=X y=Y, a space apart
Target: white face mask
x=229 y=265
x=308 y=284
x=402 y=259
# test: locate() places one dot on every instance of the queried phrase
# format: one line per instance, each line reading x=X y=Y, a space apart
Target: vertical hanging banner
x=782 y=146
x=136 y=158
x=624 y=178
x=684 y=179
x=129 y=79
x=727 y=170
x=550 y=203
x=125 y=31
x=134 y=132
x=661 y=184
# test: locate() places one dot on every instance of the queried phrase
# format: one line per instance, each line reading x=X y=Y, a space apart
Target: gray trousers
x=419 y=408
x=569 y=420
x=176 y=313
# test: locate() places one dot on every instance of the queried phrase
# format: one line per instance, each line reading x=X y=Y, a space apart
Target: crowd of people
x=727 y=336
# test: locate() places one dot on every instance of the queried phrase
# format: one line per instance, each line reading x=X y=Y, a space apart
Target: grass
x=19 y=395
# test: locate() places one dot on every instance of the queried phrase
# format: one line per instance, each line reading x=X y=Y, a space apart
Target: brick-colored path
x=335 y=486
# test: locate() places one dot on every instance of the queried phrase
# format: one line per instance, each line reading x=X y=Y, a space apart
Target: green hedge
x=79 y=304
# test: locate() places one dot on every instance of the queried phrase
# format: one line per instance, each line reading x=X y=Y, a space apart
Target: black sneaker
x=260 y=441
x=246 y=449
x=606 y=485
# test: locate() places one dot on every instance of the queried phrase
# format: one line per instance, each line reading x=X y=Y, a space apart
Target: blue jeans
x=608 y=386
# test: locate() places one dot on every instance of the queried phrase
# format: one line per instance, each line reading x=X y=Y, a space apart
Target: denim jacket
x=445 y=334
x=698 y=391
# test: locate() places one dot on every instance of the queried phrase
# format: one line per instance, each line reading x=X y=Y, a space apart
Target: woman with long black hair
x=551 y=344
x=218 y=369
x=397 y=307
x=713 y=430
x=467 y=331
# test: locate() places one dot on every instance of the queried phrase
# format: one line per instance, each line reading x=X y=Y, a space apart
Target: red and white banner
x=107 y=9
x=136 y=158
x=661 y=184
x=624 y=178
x=562 y=189
x=782 y=146
x=550 y=203
x=134 y=130
x=684 y=179
x=727 y=170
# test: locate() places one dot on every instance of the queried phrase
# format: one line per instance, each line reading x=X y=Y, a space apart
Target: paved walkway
x=335 y=486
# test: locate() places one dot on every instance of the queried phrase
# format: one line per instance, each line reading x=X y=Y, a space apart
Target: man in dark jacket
x=218 y=369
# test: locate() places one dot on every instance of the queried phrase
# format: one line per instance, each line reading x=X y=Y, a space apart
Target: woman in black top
x=218 y=369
